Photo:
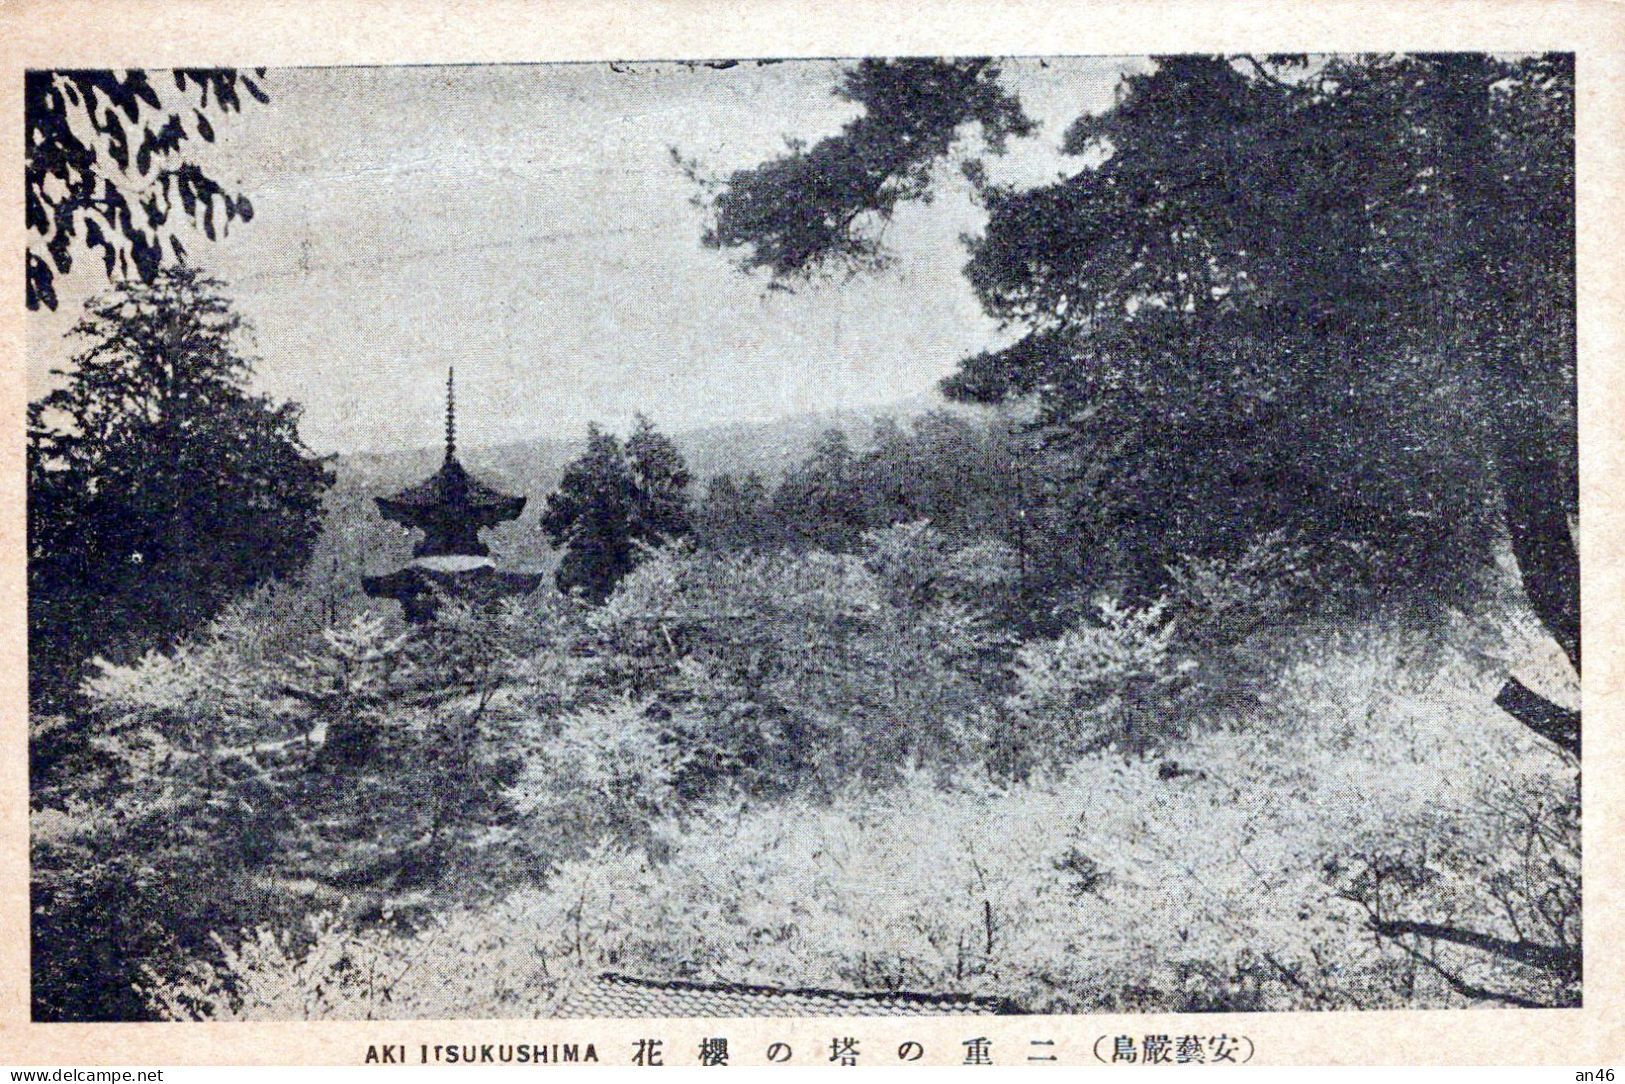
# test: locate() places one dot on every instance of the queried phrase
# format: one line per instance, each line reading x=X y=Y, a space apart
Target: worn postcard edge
x=165 y=33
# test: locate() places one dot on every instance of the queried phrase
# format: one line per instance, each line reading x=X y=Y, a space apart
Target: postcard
x=935 y=533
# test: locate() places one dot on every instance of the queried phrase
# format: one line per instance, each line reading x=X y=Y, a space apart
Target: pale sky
x=527 y=224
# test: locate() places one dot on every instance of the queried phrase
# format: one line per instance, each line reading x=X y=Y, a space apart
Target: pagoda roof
x=450 y=492
x=451 y=495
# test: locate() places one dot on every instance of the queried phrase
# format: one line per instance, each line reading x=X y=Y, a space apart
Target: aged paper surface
x=388 y=170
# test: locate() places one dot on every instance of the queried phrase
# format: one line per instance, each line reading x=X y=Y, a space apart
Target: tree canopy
x=105 y=166
x=159 y=485
x=660 y=481
x=1333 y=295
x=820 y=206
x=612 y=498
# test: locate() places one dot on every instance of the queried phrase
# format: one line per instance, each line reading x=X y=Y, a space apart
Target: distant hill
x=358 y=540
x=534 y=467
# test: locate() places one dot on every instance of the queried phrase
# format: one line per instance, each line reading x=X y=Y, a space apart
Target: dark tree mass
x=614 y=498
x=1333 y=295
x=819 y=206
x=159 y=486
x=105 y=168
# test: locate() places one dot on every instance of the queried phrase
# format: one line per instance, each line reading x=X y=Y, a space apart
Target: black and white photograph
x=879 y=535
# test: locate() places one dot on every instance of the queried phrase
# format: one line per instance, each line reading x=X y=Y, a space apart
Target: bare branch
x=1546 y=957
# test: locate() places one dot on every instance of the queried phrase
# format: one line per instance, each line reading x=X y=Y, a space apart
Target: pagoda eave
x=450 y=507
x=414 y=514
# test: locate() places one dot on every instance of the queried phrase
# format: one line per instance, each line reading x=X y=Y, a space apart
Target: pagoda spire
x=451 y=508
x=451 y=413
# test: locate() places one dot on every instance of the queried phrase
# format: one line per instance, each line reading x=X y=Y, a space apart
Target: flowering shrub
x=215 y=690
x=784 y=670
x=811 y=769
x=518 y=957
x=214 y=769
x=1237 y=877
x=1231 y=598
x=607 y=772
x=1098 y=685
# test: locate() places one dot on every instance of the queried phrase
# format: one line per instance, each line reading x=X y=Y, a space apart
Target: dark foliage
x=660 y=481
x=1278 y=282
x=822 y=500
x=167 y=871
x=972 y=478
x=590 y=515
x=159 y=486
x=1333 y=297
x=105 y=167
x=612 y=498
x=735 y=514
x=817 y=206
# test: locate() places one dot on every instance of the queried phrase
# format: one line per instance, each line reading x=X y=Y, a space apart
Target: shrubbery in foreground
x=816 y=770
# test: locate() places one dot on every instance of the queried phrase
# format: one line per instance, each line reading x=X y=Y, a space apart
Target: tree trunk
x=1536 y=469
x=1533 y=489
x=1556 y=724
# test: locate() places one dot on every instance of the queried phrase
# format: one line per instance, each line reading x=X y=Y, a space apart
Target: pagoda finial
x=451 y=413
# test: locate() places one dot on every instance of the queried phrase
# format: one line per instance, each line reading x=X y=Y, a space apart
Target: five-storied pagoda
x=450 y=507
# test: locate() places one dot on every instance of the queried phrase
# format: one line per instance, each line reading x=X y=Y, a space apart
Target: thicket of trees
x=1331 y=295
x=972 y=478
x=555 y=738
x=159 y=485
x=613 y=499
x=1328 y=296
